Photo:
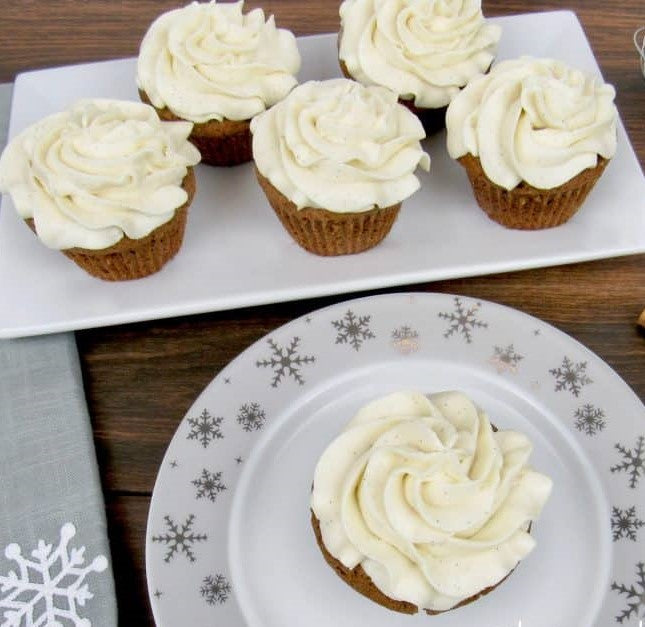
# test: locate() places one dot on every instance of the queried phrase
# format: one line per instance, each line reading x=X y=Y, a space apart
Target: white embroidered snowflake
x=285 y=361
x=179 y=538
x=506 y=359
x=251 y=416
x=48 y=590
x=571 y=376
x=589 y=419
x=463 y=320
x=215 y=589
x=209 y=485
x=353 y=330
x=205 y=428
x=625 y=523
x=405 y=339
x=633 y=461
x=635 y=598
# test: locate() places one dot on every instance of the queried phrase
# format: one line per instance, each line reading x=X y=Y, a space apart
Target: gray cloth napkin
x=54 y=551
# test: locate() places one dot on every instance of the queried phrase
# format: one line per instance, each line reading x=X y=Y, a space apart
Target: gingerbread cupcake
x=215 y=66
x=336 y=159
x=534 y=136
x=420 y=504
x=107 y=183
x=424 y=51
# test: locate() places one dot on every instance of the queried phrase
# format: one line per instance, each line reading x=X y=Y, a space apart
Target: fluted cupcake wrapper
x=526 y=207
x=328 y=233
x=136 y=258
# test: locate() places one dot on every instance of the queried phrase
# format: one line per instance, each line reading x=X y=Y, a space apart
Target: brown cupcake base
x=136 y=258
x=328 y=233
x=224 y=143
x=526 y=207
x=358 y=579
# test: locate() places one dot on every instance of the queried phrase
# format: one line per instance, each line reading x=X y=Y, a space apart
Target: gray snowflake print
x=179 y=538
x=463 y=321
x=251 y=416
x=209 y=485
x=589 y=419
x=633 y=461
x=215 y=589
x=635 y=595
x=285 y=362
x=505 y=359
x=625 y=523
x=405 y=339
x=353 y=330
x=571 y=376
x=205 y=428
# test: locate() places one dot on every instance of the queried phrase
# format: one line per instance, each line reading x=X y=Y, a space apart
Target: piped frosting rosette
x=340 y=146
x=424 y=50
x=210 y=61
x=99 y=171
x=533 y=120
x=427 y=498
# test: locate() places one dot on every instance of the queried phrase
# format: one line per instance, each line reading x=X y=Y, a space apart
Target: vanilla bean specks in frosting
x=533 y=120
x=340 y=146
x=425 y=50
x=427 y=498
x=210 y=61
x=98 y=171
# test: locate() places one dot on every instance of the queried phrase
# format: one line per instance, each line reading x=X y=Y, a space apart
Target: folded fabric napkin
x=54 y=552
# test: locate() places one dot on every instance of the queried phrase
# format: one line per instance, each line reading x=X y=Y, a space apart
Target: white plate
x=229 y=541
x=236 y=253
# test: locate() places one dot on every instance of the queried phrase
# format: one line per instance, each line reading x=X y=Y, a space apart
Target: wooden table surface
x=140 y=379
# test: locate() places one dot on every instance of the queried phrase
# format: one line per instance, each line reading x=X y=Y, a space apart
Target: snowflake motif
x=624 y=523
x=209 y=485
x=205 y=428
x=506 y=359
x=179 y=538
x=53 y=578
x=570 y=376
x=634 y=461
x=353 y=330
x=285 y=361
x=404 y=339
x=635 y=598
x=215 y=589
x=463 y=320
x=251 y=416
x=589 y=419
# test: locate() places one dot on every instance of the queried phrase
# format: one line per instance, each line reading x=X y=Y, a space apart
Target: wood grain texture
x=140 y=379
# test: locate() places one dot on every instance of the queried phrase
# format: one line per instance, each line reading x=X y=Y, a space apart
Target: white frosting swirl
x=533 y=120
x=430 y=501
x=209 y=61
x=340 y=146
x=100 y=170
x=422 y=49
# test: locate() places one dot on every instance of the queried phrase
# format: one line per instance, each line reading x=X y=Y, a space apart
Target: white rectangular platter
x=236 y=253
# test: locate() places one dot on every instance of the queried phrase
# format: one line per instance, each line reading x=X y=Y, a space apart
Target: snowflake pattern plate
x=440 y=232
x=229 y=541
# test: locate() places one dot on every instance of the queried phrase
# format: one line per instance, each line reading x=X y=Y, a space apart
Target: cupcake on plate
x=421 y=504
x=425 y=51
x=336 y=159
x=107 y=183
x=534 y=136
x=215 y=66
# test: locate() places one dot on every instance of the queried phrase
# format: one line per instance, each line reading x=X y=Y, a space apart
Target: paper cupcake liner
x=136 y=258
x=224 y=143
x=526 y=207
x=328 y=233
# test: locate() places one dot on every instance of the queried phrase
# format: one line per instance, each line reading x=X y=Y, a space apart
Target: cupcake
x=421 y=504
x=336 y=159
x=107 y=183
x=424 y=51
x=534 y=137
x=217 y=67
